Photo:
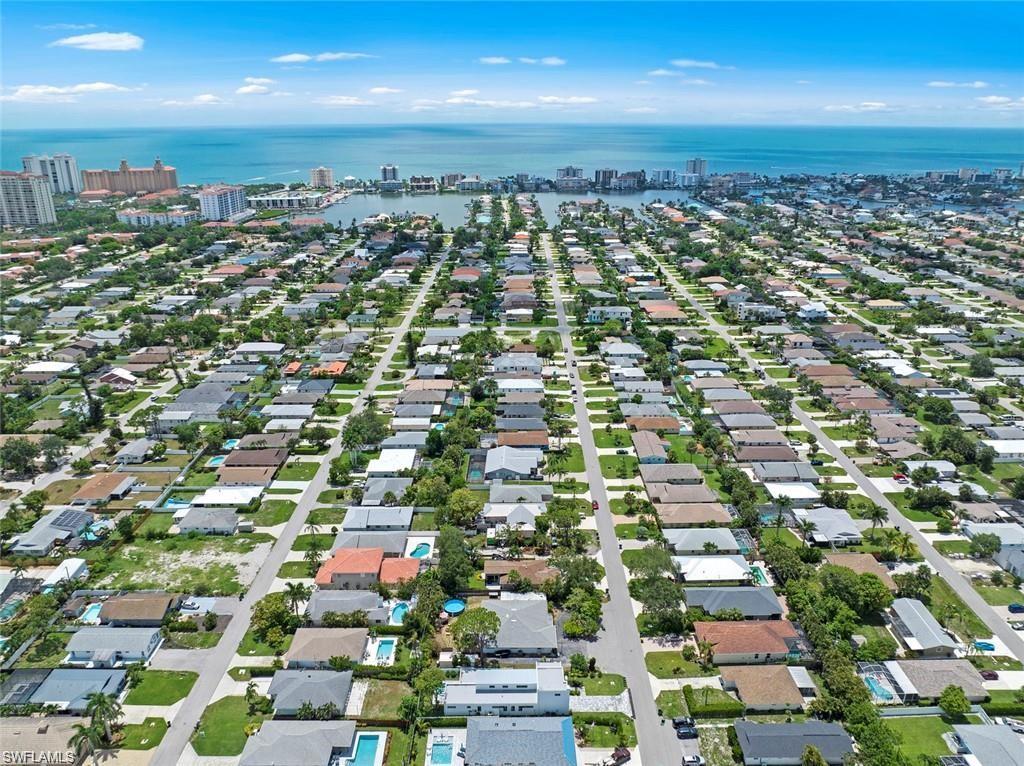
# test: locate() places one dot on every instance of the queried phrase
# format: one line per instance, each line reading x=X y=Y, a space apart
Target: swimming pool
x=880 y=692
x=366 y=750
x=216 y=460
x=230 y=443
x=385 y=649
x=173 y=502
x=91 y=613
x=441 y=754
x=421 y=551
x=759 y=576
x=455 y=606
x=398 y=613
x=10 y=609
x=984 y=646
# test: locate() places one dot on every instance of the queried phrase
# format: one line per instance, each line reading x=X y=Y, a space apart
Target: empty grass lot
x=161 y=687
x=670 y=664
x=221 y=729
x=143 y=736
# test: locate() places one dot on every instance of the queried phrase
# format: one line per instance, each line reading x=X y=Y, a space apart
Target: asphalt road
x=172 y=748
x=619 y=636
x=942 y=567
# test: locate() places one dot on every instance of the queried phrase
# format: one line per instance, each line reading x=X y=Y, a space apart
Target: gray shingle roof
x=785 y=742
x=492 y=741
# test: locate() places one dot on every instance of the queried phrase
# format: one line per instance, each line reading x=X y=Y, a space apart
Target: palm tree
x=806 y=528
x=904 y=544
x=782 y=504
x=105 y=711
x=296 y=593
x=87 y=740
x=877 y=515
x=705 y=653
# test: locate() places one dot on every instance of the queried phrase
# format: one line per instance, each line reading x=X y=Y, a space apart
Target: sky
x=138 y=64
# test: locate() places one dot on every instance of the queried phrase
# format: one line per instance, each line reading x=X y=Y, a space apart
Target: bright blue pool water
x=483 y=219
x=441 y=754
x=366 y=750
x=984 y=646
x=9 y=609
x=422 y=550
x=455 y=606
x=438 y=426
x=173 y=502
x=231 y=443
x=385 y=649
x=759 y=576
x=877 y=689
x=91 y=613
x=216 y=460
x=475 y=474
x=398 y=613
x=89 y=536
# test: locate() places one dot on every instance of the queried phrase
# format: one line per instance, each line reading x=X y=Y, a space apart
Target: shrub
x=716 y=706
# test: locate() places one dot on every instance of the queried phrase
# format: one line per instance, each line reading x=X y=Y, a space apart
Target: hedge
x=1007 y=708
x=715 y=708
x=388 y=673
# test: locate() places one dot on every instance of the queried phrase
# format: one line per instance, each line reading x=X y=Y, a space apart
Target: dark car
x=1016 y=608
x=683 y=720
x=594 y=505
x=686 y=732
x=990 y=675
x=817 y=462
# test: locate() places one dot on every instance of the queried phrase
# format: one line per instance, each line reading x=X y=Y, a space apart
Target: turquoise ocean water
x=282 y=154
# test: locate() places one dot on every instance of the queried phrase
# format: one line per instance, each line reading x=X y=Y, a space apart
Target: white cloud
x=381 y=90
x=65 y=27
x=343 y=101
x=490 y=103
x=697 y=64
x=495 y=60
x=662 y=73
x=464 y=92
x=552 y=61
x=527 y=60
x=1001 y=103
x=567 y=100
x=60 y=93
x=292 y=58
x=863 y=106
x=640 y=110
x=252 y=90
x=342 y=56
x=102 y=41
x=694 y=81
x=429 y=101
x=203 y=99
x=423 y=108
x=302 y=58
x=259 y=80
x=976 y=84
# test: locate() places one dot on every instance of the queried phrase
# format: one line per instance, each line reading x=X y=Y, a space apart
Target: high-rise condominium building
x=698 y=166
x=321 y=178
x=25 y=200
x=131 y=180
x=603 y=177
x=389 y=172
x=60 y=171
x=569 y=171
x=221 y=202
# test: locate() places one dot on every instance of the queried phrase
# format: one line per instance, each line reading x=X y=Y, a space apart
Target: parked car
x=693 y=760
x=594 y=505
x=900 y=477
x=990 y=675
x=795 y=443
x=817 y=462
x=686 y=732
x=1016 y=608
x=683 y=721
x=621 y=452
x=1018 y=625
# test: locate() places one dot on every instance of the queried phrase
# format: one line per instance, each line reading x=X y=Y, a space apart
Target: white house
x=540 y=690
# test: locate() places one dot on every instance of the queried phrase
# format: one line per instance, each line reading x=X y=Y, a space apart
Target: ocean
x=285 y=154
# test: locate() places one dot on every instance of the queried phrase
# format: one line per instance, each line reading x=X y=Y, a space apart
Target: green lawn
x=671 y=703
x=619 y=437
x=922 y=735
x=143 y=736
x=383 y=698
x=222 y=727
x=604 y=684
x=619 y=466
x=249 y=646
x=1000 y=596
x=327 y=517
x=272 y=513
x=947 y=547
x=48 y=652
x=944 y=601
x=302 y=542
x=574 y=459
x=303 y=470
x=293 y=570
x=619 y=730
x=784 y=536
x=670 y=664
x=161 y=687
x=201 y=640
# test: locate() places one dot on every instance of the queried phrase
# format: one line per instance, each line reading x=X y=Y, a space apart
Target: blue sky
x=248 y=63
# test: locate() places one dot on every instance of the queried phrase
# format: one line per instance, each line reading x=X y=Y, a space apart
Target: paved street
x=175 y=742
x=619 y=637
x=942 y=567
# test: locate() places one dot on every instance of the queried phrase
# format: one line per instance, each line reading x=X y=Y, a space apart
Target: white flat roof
x=392 y=461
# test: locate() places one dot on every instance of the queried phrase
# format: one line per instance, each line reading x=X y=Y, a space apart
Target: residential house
x=540 y=690
x=105 y=647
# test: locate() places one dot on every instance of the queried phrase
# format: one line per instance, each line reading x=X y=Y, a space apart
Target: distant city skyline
x=130 y=64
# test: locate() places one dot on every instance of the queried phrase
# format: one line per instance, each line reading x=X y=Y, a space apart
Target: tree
x=812 y=757
x=916 y=584
x=876 y=514
x=296 y=593
x=125 y=528
x=981 y=366
x=87 y=740
x=454 y=565
x=35 y=501
x=954 y=702
x=105 y=712
x=272 y=613
x=474 y=629
x=319 y=435
x=53 y=448
x=650 y=561
x=18 y=455
x=985 y=545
